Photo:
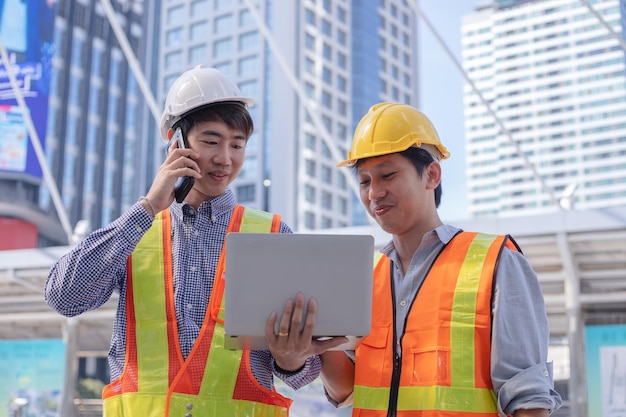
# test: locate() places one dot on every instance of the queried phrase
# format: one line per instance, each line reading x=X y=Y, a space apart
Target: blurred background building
x=548 y=119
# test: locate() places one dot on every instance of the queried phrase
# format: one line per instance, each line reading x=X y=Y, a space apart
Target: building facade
x=95 y=147
x=314 y=68
x=554 y=131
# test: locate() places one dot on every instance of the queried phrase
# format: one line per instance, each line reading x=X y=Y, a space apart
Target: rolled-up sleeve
x=520 y=371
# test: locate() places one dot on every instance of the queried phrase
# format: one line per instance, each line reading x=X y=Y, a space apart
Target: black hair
x=420 y=158
x=233 y=113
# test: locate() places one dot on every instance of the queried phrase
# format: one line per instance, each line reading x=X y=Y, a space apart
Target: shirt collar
x=214 y=207
x=444 y=233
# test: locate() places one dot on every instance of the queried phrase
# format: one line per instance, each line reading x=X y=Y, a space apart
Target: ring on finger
x=283 y=334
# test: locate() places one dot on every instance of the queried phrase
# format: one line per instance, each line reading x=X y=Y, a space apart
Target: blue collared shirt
x=520 y=372
x=86 y=277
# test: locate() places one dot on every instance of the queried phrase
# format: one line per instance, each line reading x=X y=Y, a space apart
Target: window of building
x=341 y=83
x=199 y=31
x=326 y=150
x=326 y=28
x=342 y=181
x=246 y=193
x=341 y=37
x=309 y=17
x=327 y=200
x=342 y=130
x=327 y=51
x=248 y=66
x=328 y=124
x=327 y=100
x=310 y=168
x=327 y=5
x=199 y=7
x=341 y=14
x=176 y=13
x=342 y=107
x=309 y=220
x=173 y=60
x=327 y=75
x=309 y=193
x=223 y=4
x=309 y=42
x=327 y=222
x=245 y=18
x=174 y=37
x=198 y=54
x=222 y=48
x=343 y=205
x=341 y=60
x=223 y=24
x=327 y=174
x=248 y=41
x=309 y=141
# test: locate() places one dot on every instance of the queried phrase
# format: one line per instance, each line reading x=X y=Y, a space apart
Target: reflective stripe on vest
x=156 y=381
x=445 y=366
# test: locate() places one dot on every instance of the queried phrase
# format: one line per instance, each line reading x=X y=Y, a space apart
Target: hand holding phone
x=183 y=184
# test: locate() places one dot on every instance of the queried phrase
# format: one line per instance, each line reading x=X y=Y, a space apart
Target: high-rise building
x=95 y=148
x=314 y=68
x=554 y=76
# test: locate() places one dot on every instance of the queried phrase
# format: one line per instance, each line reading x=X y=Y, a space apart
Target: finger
x=269 y=326
x=285 y=319
x=309 y=323
x=298 y=312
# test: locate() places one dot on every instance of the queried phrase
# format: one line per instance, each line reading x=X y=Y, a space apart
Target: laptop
x=264 y=270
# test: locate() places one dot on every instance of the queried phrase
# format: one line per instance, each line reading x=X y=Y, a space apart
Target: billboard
x=606 y=370
x=27 y=32
x=31 y=377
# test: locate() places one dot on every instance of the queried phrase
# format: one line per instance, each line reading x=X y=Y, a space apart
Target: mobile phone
x=183 y=184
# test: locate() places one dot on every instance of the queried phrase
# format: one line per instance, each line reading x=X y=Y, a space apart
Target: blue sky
x=441 y=96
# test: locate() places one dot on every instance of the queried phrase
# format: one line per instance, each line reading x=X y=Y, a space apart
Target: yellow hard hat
x=389 y=128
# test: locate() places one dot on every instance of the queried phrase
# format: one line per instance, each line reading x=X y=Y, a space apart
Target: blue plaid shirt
x=85 y=278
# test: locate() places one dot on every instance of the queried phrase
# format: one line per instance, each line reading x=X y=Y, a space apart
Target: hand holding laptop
x=294 y=342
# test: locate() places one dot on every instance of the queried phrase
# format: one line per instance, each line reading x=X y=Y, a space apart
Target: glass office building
x=314 y=68
x=554 y=75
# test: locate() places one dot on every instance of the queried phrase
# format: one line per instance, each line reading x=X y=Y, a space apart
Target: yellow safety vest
x=156 y=380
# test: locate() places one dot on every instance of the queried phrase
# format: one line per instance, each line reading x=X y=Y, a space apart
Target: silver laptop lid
x=264 y=270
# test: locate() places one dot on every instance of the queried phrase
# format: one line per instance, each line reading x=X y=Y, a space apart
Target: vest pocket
x=431 y=365
x=374 y=359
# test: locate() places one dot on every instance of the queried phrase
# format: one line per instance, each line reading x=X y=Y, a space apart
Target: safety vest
x=444 y=368
x=156 y=380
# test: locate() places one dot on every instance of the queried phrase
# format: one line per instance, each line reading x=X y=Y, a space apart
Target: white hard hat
x=197 y=87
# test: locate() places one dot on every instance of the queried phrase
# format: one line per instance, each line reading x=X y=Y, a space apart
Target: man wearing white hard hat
x=164 y=256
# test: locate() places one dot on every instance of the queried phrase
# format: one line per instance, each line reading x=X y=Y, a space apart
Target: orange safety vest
x=156 y=380
x=444 y=369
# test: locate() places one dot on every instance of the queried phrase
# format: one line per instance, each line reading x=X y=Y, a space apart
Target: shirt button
x=193 y=269
x=545 y=373
x=189 y=406
x=189 y=306
x=402 y=303
x=196 y=233
x=138 y=228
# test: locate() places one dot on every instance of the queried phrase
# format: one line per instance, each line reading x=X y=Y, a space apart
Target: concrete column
x=70 y=376
x=575 y=333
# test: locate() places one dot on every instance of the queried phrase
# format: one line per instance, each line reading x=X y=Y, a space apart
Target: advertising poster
x=606 y=370
x=27 y=31
x=31 y=377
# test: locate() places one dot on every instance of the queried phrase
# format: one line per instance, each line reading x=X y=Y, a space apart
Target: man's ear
x=433 y=174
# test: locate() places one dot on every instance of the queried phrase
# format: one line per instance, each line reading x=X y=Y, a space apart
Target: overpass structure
x=579 y=257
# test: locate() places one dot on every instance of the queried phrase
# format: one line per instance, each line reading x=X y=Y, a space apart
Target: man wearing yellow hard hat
x=459 y=325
